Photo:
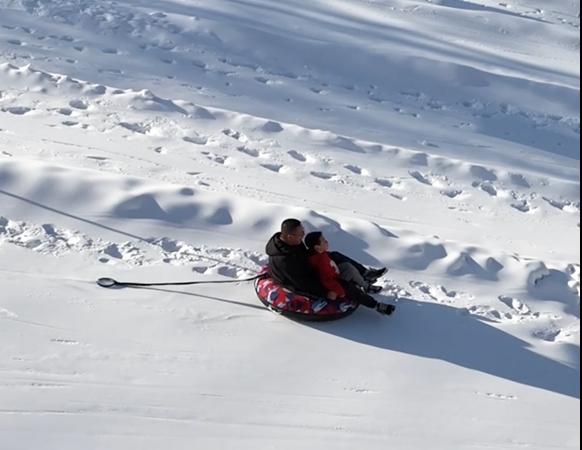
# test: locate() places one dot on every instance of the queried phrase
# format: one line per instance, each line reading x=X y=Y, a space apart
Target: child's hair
x=313 y=239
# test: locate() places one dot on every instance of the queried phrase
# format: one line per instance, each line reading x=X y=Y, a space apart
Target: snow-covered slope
x=166 y=141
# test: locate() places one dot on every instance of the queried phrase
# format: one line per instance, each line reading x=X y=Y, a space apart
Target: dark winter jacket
x=328 y=271
x=289 y=266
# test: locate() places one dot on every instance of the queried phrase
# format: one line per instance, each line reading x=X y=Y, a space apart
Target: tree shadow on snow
x=437 y=331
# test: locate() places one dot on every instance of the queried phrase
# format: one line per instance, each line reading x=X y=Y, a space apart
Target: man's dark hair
x=289 y=226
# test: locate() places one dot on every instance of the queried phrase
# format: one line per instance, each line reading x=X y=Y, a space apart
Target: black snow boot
x=385 y=309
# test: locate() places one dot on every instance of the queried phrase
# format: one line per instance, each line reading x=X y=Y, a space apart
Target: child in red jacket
x=342 y=282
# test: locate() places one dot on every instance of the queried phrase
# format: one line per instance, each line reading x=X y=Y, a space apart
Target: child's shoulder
x=319 y=257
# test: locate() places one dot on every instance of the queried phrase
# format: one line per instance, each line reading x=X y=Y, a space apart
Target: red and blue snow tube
x=299 y=307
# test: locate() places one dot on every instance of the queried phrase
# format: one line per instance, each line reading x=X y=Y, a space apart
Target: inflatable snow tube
x=299 y=307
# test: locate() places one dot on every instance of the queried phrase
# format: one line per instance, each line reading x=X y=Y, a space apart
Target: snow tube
x=299 y=307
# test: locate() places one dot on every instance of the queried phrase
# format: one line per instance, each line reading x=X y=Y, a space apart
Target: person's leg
x=370 y=275
x=340 y=258
x=355 y=294
x=349 y=272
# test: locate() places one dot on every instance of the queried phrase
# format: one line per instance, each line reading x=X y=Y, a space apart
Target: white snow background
x=166 y=140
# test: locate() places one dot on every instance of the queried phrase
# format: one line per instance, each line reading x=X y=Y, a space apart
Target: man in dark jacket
x=289 y=265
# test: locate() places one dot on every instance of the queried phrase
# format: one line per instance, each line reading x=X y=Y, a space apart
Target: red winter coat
x=328 y=272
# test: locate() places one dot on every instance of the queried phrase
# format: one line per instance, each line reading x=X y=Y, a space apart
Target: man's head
x=317 y=242
x=292 y=232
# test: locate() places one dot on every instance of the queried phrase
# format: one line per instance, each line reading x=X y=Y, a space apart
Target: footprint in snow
x=323 y=175
x=354 y=169
x=485 y=312
x=17 y=110
x=483 y=173
x=438 y=293
x=519 y=180
x=198 y=140
x=555 y=334
x=420 y=159
x=78 y=104
x=451 y=193
x=235 y=135
x=273 y=167
x=523 y=206
x=384 y=183
x=249 y=151
x=515 y=304
x=486 y=186
x=428 y=180
x=297 y=156
x=564 y=205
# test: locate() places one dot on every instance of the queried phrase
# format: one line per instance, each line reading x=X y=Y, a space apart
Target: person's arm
x=299 y=274
x=328 y=277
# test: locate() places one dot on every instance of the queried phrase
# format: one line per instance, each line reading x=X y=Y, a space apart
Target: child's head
x=316 y=242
